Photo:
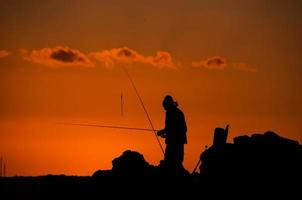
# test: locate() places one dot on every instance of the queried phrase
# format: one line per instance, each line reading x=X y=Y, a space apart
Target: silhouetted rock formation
x=267 y=158
x=131 y=163
x=132 y=173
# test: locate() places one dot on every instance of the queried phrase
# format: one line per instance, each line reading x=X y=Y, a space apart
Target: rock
x=264 y=157
x=131 y=163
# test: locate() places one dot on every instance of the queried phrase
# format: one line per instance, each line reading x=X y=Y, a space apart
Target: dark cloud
x=65 y=56
x=57 y=57
x=126 y=52
x=216 y=62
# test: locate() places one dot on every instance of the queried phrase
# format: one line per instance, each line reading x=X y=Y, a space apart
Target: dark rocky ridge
x=253 y=163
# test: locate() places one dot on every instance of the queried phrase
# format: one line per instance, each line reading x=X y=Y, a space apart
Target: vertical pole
x=122 y=106
x=1 y=160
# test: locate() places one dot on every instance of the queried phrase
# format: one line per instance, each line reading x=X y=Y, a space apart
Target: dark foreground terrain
x=251 y=166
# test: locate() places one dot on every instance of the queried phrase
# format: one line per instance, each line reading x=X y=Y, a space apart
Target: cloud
x=111 y=57
x=57 y=57
x=219 y=62
x=216 y=62
x=4 y=53
x=244 y=67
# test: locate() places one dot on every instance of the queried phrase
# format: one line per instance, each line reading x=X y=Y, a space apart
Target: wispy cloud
x=215 y=62
x=219 y=63
x=111 y=57
x=67 y=57
x=4 y=53
x=57 y=57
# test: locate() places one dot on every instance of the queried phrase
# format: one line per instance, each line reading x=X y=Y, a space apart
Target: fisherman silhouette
x=174 y=134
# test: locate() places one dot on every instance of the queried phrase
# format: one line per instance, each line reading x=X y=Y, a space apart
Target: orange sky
x=223 y=61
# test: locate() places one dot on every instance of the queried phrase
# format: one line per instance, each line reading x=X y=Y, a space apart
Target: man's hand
x=162 y=133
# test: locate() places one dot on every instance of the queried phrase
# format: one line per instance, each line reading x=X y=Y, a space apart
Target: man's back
x=176 y=126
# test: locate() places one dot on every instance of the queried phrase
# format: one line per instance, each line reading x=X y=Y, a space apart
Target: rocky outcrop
x=262 y=157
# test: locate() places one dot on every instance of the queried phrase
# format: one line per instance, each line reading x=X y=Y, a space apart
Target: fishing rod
x=106 y=126
x=144 y=108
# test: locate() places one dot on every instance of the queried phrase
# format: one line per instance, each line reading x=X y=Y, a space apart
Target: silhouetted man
x=174 y=133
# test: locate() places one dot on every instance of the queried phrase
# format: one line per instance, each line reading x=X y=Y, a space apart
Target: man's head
x=169 y=103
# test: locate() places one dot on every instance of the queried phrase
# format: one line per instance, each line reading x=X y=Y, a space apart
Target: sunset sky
x=234 y=62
